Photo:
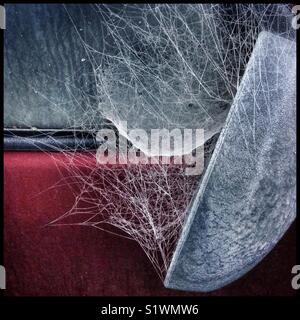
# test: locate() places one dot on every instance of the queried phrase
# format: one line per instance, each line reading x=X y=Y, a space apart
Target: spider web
x=156 y=66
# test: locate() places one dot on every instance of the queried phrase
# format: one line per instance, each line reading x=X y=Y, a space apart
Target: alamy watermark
x=155 y=146
x=2 y=17
x=296 y=279
x=296 y=18
x=2 y=278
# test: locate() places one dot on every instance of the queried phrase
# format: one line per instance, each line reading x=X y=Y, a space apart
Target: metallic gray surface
x=247 y=198
x=48 y=77
x=49 y=74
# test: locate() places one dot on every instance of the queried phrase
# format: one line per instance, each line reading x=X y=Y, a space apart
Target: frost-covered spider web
x=175 y=66
x=155 y=66
x=146 y=202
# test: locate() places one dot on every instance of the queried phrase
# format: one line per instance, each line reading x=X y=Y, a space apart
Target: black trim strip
x=30 y=140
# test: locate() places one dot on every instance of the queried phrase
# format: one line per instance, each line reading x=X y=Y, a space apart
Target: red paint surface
x=78 y=261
